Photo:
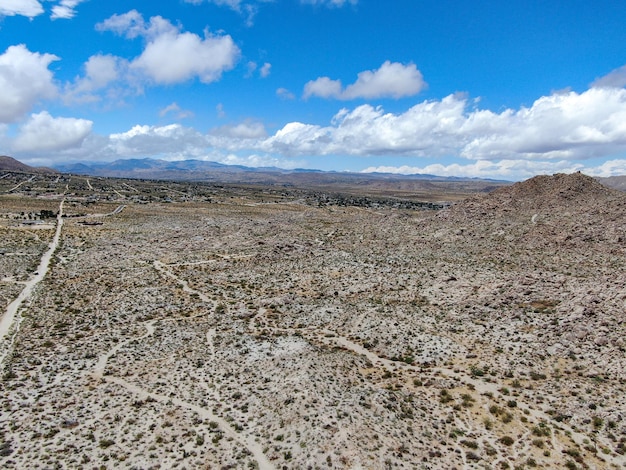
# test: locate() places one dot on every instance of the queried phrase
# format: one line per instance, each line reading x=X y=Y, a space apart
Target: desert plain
x=188 y=325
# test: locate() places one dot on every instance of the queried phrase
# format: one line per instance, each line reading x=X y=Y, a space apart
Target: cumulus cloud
x=615 y=79
x=42 y=132
x=172 y=56
x=562 y=132
x=24 y=80
x=170 y=142
x=175 y=58
x=100 y=72
x=391 y=80
x=430 y=128
x=570 y=125
x=66 y=9
x=143 y=140
x=556 y=127
x=323 y=87
x=28 y=8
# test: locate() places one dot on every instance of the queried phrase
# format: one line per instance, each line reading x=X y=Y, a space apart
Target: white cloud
x=265 y=70
x=169 y=142
x=66 y=9
x=570 y=125
x=505 y=169
x=245 y=130
x=562 y=132
x=393 y=80
x=608 y=168
x=24 y=80
x=512 y=170
x=285 y=94
x=323 y=87
x=142 y=140
x=100 y=72
x=177 y=110
x=130 y=24
x=427 y=129
x=172 y=56
x=28 y=8
x=175 y=58
x=42 y=132
x=556 y=127
x=616 y=79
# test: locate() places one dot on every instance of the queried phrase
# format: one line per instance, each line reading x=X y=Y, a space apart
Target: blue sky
x=483 y=88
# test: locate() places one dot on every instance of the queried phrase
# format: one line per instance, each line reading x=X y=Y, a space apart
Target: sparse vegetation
x=238 y=325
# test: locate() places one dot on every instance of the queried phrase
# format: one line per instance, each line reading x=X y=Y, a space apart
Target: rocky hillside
x=548 y=210
x=11 y=164
x=551 y=252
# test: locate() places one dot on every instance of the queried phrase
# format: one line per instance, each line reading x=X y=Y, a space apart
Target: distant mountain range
x=188 y=169
x=200 y=170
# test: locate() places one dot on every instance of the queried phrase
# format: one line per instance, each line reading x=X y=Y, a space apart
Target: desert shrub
x=444 y=396
x=104 y=443
x=470 y=444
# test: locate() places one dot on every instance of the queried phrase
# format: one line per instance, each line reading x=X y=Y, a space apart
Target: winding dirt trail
x=32 y=178
x=329 y=338
x=332 y=337
x=256 y=450
x=163 y=268
x=98 y=373
x=8 y=319
x=246 y=441
x=479 y=385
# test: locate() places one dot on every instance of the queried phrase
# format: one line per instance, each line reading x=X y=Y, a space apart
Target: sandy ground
x=245 y=334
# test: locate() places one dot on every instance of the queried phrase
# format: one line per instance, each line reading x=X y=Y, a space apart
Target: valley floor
x=238 y=332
